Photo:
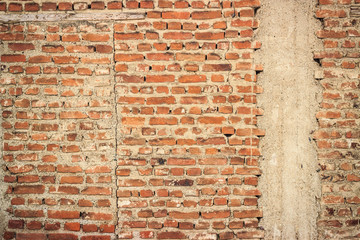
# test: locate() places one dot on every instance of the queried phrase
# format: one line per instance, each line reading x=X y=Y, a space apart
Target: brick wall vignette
x=171 y=98
x=338 y=119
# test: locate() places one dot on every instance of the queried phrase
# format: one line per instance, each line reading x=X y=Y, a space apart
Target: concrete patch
x=289 y=184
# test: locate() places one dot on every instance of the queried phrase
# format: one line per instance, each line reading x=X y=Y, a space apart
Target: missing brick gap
x=318 y=61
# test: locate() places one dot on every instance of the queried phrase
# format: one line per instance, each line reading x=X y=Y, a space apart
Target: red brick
x=13 y=224
x=203 y=15
x=62 y=236
x=40 y=59
x=98 y=5
x=31 y=236
x=3 y=6
x=175 y=15
x=92 y=37
x=61 y=214
x=216 y=67
x=146 y=4
x=114 y=5
x=48 y=6
x=32 y=7
x=96 y=191
x=331 y=34
x=65 y=6
x=247 y=3
x=192 y=78
x=28 y=213
x=171 y=235
x=52 y=48
x=29 y=189
x=98 y=216
x=65 y=60
x=11 y=36
x=184 y=215
x=72 y=115
x=178 y=35
x=15 y=7
x=13 y=58
x=160 y=78
x=21 y=46
x=248 y=214
x=128 y=36
x=160 y=56
x=70 y=38
x=129 y=57
x=103 y=48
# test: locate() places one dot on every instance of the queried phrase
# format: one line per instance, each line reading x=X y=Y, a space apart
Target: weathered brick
x=166 y=101
x=61 y=214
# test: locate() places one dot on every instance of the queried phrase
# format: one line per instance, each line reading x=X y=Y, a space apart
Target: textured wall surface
x=128 y=129
x=338 y=119
x=58 y=129
x=290 y=184
x=144 y=124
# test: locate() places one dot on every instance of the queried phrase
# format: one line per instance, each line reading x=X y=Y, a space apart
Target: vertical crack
x=3 y=214
x=228 y=80
x=116 y=134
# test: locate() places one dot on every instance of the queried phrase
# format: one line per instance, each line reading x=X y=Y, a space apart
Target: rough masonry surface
x=130 y=128
x=338 y=131
x=138 y=119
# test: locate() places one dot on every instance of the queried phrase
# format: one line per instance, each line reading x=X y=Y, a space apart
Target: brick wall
x=146 y=128
x=58 y=123
x=338 y=119
x=135 y=129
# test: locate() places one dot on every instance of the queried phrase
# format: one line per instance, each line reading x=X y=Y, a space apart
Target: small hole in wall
x=318 y=61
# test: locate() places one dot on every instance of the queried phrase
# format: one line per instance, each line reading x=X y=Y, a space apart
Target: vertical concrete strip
x=289 y=184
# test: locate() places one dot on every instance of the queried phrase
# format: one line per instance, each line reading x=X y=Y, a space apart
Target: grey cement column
x=290 y=183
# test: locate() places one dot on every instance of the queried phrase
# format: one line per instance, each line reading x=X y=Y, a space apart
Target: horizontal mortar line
x=55 y=17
